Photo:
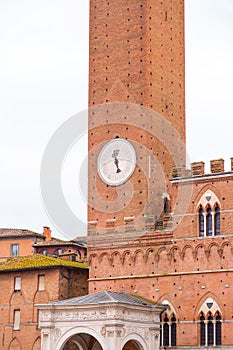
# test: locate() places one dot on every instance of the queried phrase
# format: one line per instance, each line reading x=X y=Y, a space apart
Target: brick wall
x=56 y=287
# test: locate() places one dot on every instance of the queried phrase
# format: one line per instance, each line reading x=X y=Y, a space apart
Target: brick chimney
x=217 y=166
x=47 y=233
x=198 y=168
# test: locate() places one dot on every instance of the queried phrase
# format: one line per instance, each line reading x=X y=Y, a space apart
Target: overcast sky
x=43 y=82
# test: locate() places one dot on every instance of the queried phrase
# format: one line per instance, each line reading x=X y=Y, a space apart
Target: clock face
x=116 y=162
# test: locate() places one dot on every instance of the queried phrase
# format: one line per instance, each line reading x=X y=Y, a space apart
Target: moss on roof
x=38 y=261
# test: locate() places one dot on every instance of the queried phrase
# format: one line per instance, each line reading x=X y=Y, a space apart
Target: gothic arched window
x=165 y=332
x=210 y=328
x=173 y=331
x=209 y=230
x=218 y=329
x=168 y=327
x=202 y=329
x=217 y=221
x=208 y=212
x=201 y=222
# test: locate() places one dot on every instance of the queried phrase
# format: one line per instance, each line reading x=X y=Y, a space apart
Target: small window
x=41 y=282
x=14 y=250
x=17 y=283
x=16 y=320
x=44 y=252
x=59 y=251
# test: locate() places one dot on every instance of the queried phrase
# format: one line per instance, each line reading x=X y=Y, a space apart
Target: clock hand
x=116 y=161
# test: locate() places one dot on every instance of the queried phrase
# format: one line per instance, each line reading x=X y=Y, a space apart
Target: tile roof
x=56 y=241
x=15 y=232
x=37 y=261
x=106 y=297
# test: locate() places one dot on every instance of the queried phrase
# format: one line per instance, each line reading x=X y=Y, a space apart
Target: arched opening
x=209 y=222
x=132 y=345
x=82 y=341
x=217 y=221
x=201 y=222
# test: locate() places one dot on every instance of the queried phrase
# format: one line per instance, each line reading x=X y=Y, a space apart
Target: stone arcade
x=101 y=321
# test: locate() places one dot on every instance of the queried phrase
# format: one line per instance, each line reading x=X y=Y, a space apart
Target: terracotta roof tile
x=15 y=232
x=37 y=261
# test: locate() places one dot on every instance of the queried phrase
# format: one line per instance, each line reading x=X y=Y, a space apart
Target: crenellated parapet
x=216 y=167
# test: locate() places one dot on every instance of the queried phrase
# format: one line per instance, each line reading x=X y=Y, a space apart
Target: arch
x=125 y=254
x=226 y=244
x=82 y=341
x=207 y=206
x=115 y=253
x=135 y=338
x=137 y=254
x=173 y=250
x=102 y=256
x=217 y=221
x=15 y=344
x=201 y=221
x=198 y=309
x=76 y=331
x=201 y=200
x=91 y=257
x=37 y=344
x=199 y=246
x=183 y=251
x=148 y=252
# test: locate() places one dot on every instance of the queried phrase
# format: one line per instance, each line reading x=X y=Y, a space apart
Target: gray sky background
x=43 y=82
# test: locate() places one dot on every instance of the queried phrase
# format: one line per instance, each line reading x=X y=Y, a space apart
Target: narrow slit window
x=16 y=320
x=209 y=222
x=217 y=221
x=201 y=222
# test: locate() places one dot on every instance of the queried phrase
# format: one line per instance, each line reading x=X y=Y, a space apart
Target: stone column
x=114 y=335
x=45 y=339
x=154 y=343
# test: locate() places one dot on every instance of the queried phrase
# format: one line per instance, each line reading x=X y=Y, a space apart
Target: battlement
x=198 y=169
x=216 y=166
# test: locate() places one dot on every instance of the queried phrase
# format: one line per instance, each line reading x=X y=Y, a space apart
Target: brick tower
x=136 y=57
x=152 y=231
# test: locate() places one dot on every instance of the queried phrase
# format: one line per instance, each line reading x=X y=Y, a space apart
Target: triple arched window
x=210 y=329
x=209 y=221
x=210 y=320
x=168 y=326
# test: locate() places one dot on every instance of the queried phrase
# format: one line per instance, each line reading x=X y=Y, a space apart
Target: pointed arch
x=15 y=344
x=168 y=329
x=210 y=322
x=37 y=344
x=209 y=295
x=207 y=207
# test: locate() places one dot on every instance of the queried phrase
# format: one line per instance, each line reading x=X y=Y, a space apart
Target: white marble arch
x=111 y=318
x=136 y=338
x=77 y=332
